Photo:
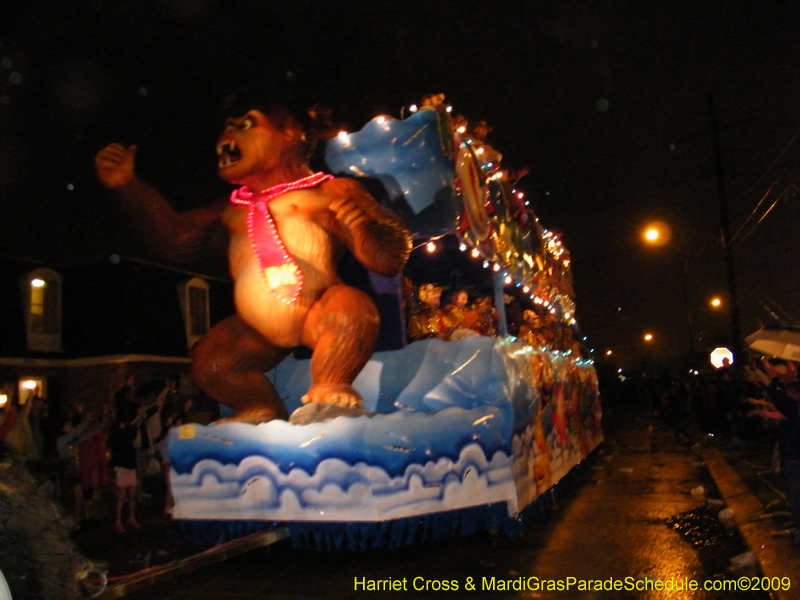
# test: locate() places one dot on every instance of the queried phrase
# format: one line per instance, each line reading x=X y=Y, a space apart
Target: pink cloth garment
x=93 y=452
x=280 y=270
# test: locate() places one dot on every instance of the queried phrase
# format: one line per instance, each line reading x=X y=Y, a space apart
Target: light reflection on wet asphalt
x=630 y=514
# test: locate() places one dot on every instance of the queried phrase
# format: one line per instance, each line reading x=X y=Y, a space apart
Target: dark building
x=79 y=332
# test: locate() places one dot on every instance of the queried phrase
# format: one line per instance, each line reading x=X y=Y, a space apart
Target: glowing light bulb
x=496 y=268
x=342 y=135
x=475 y=253
x=37 y=283
x=431 y=247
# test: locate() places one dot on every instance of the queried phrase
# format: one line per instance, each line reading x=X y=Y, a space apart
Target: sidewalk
x=777 y=556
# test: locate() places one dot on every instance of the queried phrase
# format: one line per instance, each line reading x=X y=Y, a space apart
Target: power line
x=752 y=213
x=766 y=194
x=791 y=186
x=772 y=166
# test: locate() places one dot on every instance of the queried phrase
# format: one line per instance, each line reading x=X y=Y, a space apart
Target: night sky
x=605 y=102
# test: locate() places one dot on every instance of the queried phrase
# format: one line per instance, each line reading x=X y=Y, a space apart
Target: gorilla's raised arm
x=179 y=237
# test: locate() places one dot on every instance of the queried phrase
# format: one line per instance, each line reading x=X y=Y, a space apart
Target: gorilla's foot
x=339 y=394
x=316 y=412
x=253 y=415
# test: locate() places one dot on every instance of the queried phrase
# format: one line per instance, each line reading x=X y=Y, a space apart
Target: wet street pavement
x=634 y=515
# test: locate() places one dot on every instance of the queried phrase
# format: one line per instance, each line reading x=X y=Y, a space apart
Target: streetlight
x=715 y=302
x=648 y=337
x=657 y=233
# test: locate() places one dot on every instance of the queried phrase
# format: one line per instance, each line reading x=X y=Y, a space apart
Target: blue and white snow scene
x=451 y=425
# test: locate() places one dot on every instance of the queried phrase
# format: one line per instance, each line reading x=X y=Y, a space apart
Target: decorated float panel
x=446 y=426
x=452 y=425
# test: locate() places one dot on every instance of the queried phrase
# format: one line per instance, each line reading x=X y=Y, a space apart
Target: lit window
x=42 y=289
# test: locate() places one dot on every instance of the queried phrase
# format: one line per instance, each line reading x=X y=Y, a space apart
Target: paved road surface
x=612 y=523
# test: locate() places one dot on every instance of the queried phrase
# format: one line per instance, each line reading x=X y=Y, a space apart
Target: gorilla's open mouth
x=227 y=153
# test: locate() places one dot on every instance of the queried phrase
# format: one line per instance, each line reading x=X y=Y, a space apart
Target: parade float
x=448 y=436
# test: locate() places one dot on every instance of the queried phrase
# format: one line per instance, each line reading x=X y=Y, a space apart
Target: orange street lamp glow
x=648 y=337
x=609 y=353
x=657 y=233
x=716 y=302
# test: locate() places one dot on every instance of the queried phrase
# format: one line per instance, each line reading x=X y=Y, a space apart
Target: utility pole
x=719 y=165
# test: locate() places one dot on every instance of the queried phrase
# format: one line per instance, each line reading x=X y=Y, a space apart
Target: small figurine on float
x=531 y=330
x=431 y=101
x=430 y=321
x=460 y=321
x=459 y=123
x=283 y=231
x=483 y=317
x=486 y=153
x=548 y=330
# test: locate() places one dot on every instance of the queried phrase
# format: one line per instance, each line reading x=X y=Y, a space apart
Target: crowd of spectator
x=755 y=406
x=98 y=460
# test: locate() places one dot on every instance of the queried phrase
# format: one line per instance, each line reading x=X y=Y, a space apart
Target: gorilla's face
x=252 y=145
